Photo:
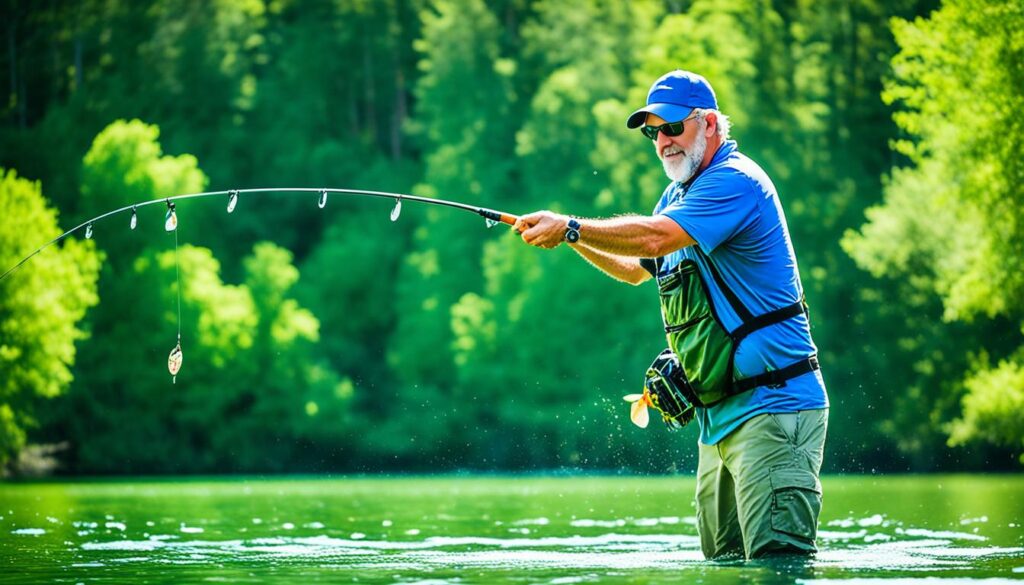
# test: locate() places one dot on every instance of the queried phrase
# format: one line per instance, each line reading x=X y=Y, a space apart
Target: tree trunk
x=78 y=63
x=370 y=91
x=399 y=114
x=353 y=110
x=23 y=106
x=12 y=49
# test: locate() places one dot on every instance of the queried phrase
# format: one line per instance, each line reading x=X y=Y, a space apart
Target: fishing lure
x=638 y=410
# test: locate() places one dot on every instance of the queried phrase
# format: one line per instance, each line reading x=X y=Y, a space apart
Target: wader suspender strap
x=750 y=323
x=777 y=378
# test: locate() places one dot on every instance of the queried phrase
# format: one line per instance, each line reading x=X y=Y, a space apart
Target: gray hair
x=723 y=125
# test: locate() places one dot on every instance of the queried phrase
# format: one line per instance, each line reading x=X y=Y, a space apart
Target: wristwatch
x=572 y=231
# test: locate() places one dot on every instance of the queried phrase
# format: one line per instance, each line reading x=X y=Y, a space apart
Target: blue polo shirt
x=732 y=211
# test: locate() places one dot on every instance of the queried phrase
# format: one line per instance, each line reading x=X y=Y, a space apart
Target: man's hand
x=544 y=229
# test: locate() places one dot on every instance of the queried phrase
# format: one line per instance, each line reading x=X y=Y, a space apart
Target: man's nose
x=662 y=141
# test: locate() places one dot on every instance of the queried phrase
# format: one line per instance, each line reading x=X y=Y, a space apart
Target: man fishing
x=732 y=301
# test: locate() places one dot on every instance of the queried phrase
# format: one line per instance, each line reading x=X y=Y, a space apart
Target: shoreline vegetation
x=336 y=340
x=473 y=475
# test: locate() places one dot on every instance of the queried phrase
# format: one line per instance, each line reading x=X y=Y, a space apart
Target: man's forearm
x=621 y=268
x=636 y=236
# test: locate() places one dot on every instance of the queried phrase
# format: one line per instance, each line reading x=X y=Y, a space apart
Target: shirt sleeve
x=715 y=209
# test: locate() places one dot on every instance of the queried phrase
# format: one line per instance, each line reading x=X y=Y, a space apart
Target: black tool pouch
x=670 y=392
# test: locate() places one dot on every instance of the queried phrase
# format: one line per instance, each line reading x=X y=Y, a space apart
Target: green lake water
x=930 y=529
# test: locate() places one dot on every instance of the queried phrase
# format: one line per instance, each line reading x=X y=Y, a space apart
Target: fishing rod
x=491 y=216
x=174 y=359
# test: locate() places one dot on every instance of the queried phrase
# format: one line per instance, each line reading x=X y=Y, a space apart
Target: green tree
x=41 y=305
x=253 y=393
x=416 y=317
x=348 y=283
x=692 y=40
x=541 y=350
x=462 y=121
x=126 y=164
x=289 y=409
x=582 y=54
x=951 y=221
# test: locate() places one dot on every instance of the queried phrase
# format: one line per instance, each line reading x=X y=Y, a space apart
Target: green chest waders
x=704 y=348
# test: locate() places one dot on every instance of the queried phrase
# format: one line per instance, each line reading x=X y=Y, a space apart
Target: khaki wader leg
x=773 y=461
x=717 y=521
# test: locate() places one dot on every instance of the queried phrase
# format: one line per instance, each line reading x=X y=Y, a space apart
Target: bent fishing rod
x=491 y=216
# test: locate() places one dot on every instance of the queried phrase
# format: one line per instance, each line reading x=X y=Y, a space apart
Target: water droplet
x=397 y=210
x=174 y=361
x=135 y=218
x=232 y=200
x=88 y=232
x=323 y=199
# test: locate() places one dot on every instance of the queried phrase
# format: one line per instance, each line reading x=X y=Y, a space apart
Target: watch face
x=572 y=236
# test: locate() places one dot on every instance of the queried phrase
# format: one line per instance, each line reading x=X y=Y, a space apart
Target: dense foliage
x=951 y=222
x=38 y=322
x=335 y=340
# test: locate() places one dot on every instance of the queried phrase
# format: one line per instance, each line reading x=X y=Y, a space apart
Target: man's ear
x=711 y=119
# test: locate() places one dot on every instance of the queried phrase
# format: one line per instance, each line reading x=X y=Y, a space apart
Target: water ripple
x=916 y=550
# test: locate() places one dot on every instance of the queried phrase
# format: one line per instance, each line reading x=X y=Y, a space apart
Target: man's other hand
x=544 y=229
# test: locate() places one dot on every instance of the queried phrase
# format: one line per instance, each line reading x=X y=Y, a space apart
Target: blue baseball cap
x=673 y=96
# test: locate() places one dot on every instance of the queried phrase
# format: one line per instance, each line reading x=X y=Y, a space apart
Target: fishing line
x=177 y=283
x=175 y=358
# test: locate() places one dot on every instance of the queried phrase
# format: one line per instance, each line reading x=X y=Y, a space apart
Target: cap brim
x=667 y=112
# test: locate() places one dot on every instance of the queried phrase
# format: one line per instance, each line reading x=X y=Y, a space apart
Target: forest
x=337 y=341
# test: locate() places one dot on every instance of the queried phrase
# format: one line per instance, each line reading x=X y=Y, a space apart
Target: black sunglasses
x=669 y=128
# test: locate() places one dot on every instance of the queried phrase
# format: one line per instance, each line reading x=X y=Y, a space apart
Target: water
x=929 y=529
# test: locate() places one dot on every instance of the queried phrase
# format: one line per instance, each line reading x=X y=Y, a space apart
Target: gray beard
x=682 y=170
